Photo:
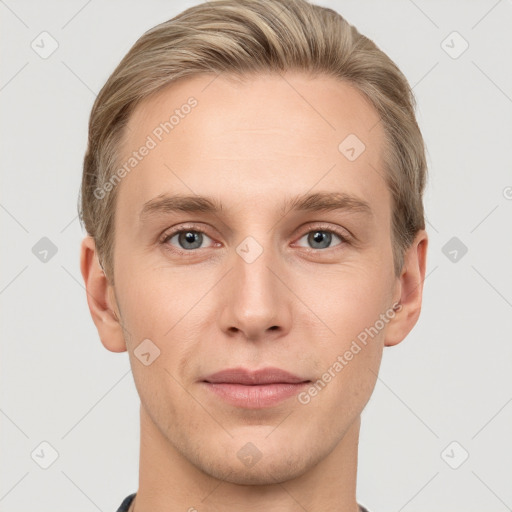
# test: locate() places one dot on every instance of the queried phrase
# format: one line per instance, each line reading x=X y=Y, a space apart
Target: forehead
x=263 y=136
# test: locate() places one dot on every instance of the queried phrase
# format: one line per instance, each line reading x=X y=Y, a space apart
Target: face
x=257 y=301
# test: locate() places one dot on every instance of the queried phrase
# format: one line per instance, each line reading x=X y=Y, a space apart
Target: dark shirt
x=128 y=501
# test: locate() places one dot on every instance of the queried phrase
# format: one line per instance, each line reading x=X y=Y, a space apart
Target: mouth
x=254 y=389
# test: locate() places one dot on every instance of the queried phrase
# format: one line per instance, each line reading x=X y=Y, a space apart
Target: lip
x=254 y=389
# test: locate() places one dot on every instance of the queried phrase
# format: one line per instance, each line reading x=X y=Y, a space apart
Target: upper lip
x=253 y=377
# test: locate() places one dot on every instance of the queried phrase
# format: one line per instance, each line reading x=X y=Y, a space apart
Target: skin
x=298 y=306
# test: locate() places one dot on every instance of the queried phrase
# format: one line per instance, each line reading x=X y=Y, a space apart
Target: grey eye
x=189 y=239
x=320 y=238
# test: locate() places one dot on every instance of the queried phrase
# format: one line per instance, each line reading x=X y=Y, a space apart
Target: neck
x=169 y=482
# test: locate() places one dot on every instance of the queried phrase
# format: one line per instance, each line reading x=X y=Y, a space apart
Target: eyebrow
x=316 y=202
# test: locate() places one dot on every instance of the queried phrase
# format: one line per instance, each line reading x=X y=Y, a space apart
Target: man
x=252 y=194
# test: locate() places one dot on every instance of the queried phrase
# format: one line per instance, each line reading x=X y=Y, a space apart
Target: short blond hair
x=240 y=38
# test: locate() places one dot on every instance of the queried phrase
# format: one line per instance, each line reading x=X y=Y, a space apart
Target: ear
x=410 y=291
x=101 y=298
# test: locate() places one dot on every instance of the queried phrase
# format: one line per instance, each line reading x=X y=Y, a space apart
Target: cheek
x=153 y=302
x=163 y=315
x=349 y=300
x=348 y=356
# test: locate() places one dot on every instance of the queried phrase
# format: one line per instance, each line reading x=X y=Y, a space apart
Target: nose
x=255 y=304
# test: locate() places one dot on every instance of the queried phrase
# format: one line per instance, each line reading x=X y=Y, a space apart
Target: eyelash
x=196 y=229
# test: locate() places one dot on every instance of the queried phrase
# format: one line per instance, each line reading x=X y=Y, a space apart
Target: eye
x=321 y=238
x=187 y=239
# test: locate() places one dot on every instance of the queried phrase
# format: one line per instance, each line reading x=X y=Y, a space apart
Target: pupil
x=191 y=237
x=319 y=236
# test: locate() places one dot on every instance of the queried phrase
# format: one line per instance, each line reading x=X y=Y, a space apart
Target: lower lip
x=256 y=396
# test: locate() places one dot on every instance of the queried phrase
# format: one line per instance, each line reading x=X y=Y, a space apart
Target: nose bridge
x=253 y=279
x=254 y=303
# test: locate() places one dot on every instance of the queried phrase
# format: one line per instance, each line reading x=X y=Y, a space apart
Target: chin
x=263 y=473
x=274 y=466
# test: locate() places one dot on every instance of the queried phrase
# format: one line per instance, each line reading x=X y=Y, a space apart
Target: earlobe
x=411 y=291
x=100 y=298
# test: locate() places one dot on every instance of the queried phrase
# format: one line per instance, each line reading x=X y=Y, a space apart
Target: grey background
x=449 y=381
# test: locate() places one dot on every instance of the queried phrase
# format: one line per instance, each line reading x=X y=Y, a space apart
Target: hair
x=240 y=38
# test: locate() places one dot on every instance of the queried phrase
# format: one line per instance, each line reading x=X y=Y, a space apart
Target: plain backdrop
x=436 y=434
